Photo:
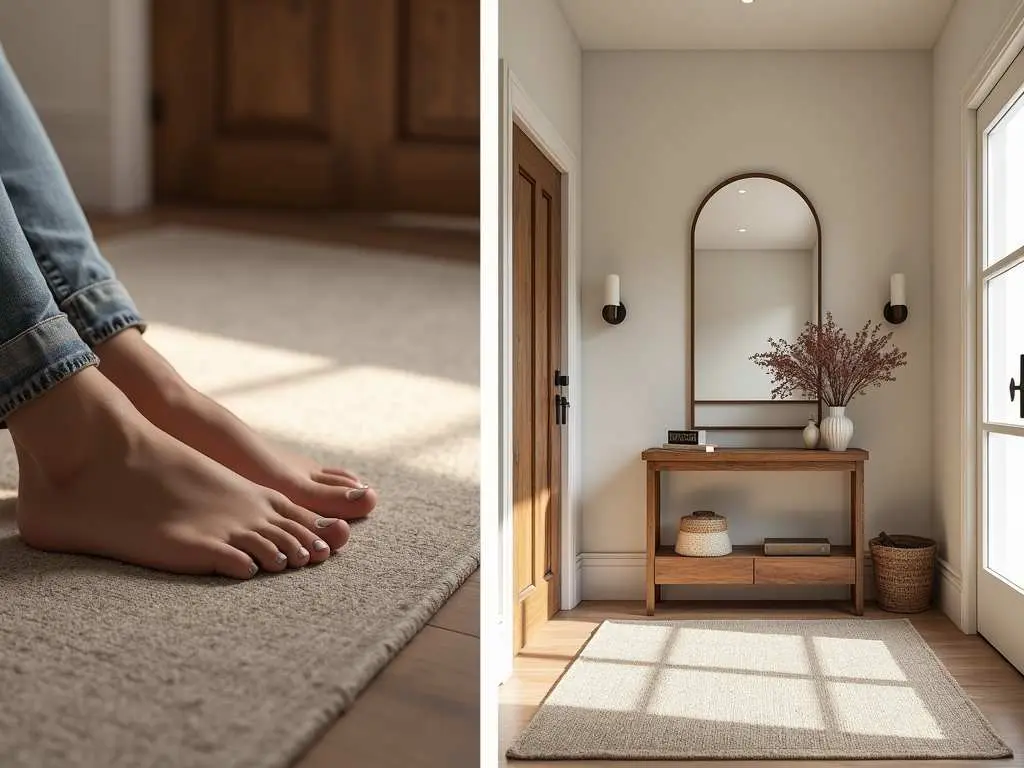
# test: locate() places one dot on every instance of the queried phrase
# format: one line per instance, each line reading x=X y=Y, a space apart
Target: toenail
x=319 y=545
x=281 y=557
x=324 y=522
x=253 y=569
x=355 y=494
x=303 y=553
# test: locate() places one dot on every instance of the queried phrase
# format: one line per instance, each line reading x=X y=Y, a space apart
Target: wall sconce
x=614 y=311
x=895 y=310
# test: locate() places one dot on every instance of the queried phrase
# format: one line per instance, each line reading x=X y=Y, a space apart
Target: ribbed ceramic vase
x=836 y=429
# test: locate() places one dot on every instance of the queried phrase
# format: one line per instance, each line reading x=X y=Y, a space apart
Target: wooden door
x=342 y=104
x=537 y=402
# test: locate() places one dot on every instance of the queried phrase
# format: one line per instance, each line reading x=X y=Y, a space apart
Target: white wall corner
x=130 y=126
x=950 y=588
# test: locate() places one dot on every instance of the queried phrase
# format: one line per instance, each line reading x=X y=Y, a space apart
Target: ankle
x=138 y=370
x=65 y=430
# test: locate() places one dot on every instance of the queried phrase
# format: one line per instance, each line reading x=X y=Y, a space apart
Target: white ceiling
x=776 y=219
x=761 y=25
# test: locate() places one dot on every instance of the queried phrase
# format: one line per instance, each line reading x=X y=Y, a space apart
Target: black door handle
x=565 y=408
x=1015 y=388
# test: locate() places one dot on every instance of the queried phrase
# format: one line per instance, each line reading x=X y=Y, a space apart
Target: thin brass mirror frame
x=693 y=402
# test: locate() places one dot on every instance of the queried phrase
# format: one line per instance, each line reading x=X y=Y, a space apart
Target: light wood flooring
x=423 y=710
x=994 y=685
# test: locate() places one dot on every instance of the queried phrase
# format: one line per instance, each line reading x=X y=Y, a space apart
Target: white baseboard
x=621 y=576
x=950 y=590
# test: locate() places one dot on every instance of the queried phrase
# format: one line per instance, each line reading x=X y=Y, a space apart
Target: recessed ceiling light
x=743 y=191
x=742 y=229
x=747 y=2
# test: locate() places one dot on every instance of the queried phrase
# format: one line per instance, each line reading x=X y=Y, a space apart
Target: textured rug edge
x=959 y=689
x=399 y=636
x=516 y=750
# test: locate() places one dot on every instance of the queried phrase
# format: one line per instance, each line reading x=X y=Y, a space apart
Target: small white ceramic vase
x=836 y=429
x=811 y=435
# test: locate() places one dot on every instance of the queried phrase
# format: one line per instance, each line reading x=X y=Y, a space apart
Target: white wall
x=970 y=30
x=84 y=64
x=541 y=49
x=853 y=130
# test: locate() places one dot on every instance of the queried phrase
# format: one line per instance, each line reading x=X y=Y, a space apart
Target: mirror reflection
x=755 y=275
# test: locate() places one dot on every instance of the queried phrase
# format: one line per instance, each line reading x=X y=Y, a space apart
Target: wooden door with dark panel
x=536 y=431
x=345 y=104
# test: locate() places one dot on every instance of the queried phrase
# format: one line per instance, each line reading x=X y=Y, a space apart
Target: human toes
x=230 y=561
x=331 y=532
x=264 y=551
x=293 y=548
x=315 y=545
x=337 y=479
x=339 y=472
x=336 y=500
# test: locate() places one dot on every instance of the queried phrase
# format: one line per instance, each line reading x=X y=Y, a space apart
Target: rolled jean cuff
x=102 y=310
x=40 y=358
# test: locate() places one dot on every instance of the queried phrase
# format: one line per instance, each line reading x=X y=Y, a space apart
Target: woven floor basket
x=904 y=574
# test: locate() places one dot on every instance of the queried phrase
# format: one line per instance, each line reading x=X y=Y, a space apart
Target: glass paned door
x=1001 y=301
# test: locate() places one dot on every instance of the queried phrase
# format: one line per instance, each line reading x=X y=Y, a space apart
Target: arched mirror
x=755 y=273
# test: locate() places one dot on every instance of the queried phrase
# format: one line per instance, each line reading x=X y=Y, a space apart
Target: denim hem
x=39 y=359
x=102 y=310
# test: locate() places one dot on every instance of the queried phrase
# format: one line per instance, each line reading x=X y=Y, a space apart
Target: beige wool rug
x=363 y=359
x=757 y=690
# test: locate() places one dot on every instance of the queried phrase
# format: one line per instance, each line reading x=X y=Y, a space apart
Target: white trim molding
x=963 y=610
x=517 y=108
x=950 y=588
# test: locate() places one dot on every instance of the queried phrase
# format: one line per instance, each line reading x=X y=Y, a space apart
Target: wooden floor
x=449 y=239
x=994 y=685
x=423 y=710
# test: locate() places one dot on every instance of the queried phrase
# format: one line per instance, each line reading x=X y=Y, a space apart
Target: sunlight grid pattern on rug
x=757 y=690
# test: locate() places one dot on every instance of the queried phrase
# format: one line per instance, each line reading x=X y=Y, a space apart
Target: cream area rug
x=757 y=690
x=366 y=360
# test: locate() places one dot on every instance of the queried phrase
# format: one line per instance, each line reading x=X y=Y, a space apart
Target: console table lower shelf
x=749 y=564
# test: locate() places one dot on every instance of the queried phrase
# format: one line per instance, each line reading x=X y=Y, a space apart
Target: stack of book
x=689 y=440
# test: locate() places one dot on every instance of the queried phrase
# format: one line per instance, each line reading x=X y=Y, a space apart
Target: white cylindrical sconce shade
x=895 y=310
x=898 y=290
x=611 y=291
x=613 y=310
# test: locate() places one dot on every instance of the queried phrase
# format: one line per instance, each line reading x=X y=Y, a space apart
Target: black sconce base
x=613 y=315
x=895 y=315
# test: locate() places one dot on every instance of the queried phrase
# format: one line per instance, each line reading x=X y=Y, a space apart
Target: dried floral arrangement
x=825 y=362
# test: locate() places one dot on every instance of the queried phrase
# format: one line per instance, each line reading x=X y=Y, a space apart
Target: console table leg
x=653 y=513
x=857 y=523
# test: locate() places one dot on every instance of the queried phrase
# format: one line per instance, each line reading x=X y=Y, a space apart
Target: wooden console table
x=747 y=564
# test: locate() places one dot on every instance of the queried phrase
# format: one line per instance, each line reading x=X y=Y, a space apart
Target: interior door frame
x=517 y=108
x=992 y=66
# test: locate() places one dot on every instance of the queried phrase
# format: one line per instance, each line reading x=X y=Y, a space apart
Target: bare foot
x=169 y=402
x=97 y=478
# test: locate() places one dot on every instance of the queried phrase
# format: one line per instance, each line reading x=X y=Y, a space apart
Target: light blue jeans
x=58 y=296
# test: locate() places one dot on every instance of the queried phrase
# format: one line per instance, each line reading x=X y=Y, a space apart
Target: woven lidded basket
x=904 y=569
x=703 y=534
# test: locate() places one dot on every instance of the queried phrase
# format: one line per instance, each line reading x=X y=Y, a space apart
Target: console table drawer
x=804 y=570
x=675 y=569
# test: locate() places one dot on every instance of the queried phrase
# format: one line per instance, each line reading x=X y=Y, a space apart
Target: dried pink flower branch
x=824 y=362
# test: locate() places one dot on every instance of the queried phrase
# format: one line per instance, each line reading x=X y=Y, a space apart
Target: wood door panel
x=440 y=70
x=318 y=103
x=273 y=77
x=522 y=393
x=537 y=445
